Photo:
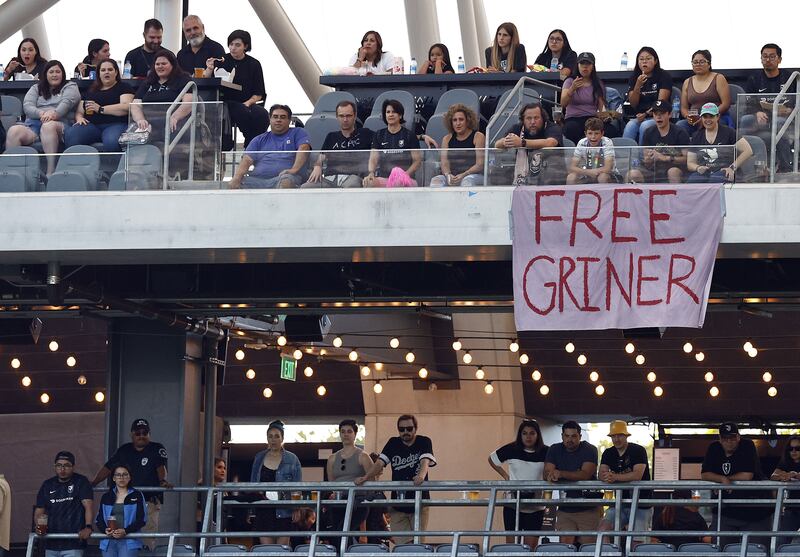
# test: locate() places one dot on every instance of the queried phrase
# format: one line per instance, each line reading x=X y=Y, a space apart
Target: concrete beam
x=16 y=14
x=168 y=12
x=37 y=30
x=469 y=37
x=422 y=21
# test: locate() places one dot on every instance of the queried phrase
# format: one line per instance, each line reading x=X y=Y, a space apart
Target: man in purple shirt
x=278 y=157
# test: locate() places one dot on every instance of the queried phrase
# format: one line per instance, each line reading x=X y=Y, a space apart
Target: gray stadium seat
x=628 y=149
x=653 y=548
x=413 y=548
x=375 y=121
x=76 y=170
x=321 y=549
x=569 y=150
x=501 y=548
x=455 y=96
x=789 y=548
x=698 y=547
x=178 y=549
x=463 y=549
x=139 y=169
x=436 y=128
x=11 y=111
x=225 y=548
x=555 y=547
x=270 y=549
x=609 y=549
x=753 y=549
x=510 y=114
x=327 y=102
x=318 y=127
x=19 y=172
x=735 y=91
x=367 y=548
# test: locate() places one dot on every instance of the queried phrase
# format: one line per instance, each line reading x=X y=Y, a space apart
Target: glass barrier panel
x=87 y=171
x=755 y=115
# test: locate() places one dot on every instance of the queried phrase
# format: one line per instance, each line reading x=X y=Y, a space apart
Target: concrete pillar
x=469 y=37
x=168 y=12
x=152 y=376
x=36 y=29
x=422 y=22
x=484 y=34
x=15 y=14
x=291 y=46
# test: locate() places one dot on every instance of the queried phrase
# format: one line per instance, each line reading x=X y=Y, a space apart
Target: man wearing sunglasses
x=147 y=461
x=64 y=505
x=410 y=455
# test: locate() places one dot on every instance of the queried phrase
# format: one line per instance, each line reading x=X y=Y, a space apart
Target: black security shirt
x=743 y=459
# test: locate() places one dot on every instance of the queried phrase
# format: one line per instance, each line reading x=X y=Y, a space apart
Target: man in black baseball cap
x=663 y=159
x=147 y=461
x=735 y=459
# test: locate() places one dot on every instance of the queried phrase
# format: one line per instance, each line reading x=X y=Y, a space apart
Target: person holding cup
x=122 y=511
x=704 y=86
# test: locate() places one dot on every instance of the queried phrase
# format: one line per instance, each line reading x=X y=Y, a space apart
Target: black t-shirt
x=624 y=463
x=405 y=461
x=708 y=154
x=567 y=60
x=349 y=161
x=520 y=59
x=161 y=92
x=648 y=94
x=188 y=60
x=789 y=465
x=105 y=98
x=143 y=464
x=684 y=520
x=764 y=89
x=63 y=504
x=675 y=136
x=743 y=459
x=248 y=74
x=141 y=61
x=445 y=68
x=394 y=149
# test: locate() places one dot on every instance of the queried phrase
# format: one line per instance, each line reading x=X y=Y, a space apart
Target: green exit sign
x=288 y=368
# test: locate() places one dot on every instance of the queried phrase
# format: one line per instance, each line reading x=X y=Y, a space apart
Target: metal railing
x=190 y=123
x=775 y=134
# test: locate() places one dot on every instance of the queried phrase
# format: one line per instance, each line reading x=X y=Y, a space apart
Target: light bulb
x=365 y=370
x=523 y=359
x=594 y=376
x=337 y=342
x=26 y=381
x=71 y=361
x=651 y=376
x=629 y=348
x=281 y=340
x=267 y=392
x=378 y=366
x=467 y=357
x=688 y=347
x=709 y=377
x=323 y=352
x=713 y=391
x=514 y=346
x=99 y=396
x=536 y=375
x=410 y=357
x=569 y=347
x=753 y=352
x=658 y=391
x=250 y=373
x=699 y=356
x=457 y=345
x=581 y=359
x=298 y=354
x=308 y=371
x=767 y=377
x=488 y=388
x=772 y=391
x=394 y=342
x=353 y=355
x=239 y=355
x=53 y=346
x=81 y=380
x=599 y=390
x=640 y=359
x=377 y=388
x=544 y=390
x=15 y=363
x=321 y=390
x=747 y=346
x=479 y=373
x=423 y=373
x=45 y=398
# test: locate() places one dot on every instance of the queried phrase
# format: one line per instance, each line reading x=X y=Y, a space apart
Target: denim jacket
x=289 y=470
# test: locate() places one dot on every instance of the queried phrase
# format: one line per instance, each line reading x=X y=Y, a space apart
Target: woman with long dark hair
x=98 y=50
x=438 y=61
x=525 y=460
x=122 y=511
x=506 y=54
x=370 y=57
x=582 y=97
x=27 y=60
x=558 y=52
x=49 y=107
x=648 y=83
x=164 y=83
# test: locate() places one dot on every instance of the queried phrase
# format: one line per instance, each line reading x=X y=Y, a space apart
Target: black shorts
x=266 y=521
x=527 y=521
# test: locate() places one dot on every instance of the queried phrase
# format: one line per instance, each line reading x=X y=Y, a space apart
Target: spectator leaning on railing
x=788 y=470
x=122 y=511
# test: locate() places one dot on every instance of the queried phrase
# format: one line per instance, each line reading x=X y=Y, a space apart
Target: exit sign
x=288 y=368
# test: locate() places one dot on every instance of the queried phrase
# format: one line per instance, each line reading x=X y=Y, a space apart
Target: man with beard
x=199 y=48
x=141 y=58
x=535 y=137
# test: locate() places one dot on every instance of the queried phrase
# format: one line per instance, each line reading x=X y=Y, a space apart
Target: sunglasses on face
x=405 y=429
x=794 y=448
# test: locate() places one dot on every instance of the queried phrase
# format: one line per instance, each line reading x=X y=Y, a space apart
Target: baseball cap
x=65 y=455
x=709 y=108
x=585 y=57
x=728 y=428
x=140 y=423
x=618 y=427
x=661 y=106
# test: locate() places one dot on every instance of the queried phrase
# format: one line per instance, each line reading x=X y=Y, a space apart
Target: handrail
x=776 y=136
x=169 y=145
x=520 y=85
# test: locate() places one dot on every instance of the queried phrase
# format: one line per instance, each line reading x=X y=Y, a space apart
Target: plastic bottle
x=412 y=67
x=676 y=108
x=126 y=71
x=462 y=67
x=554 y=64
x=623 y=63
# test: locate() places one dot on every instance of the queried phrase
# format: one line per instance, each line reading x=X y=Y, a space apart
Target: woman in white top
x=525 y=459
x=370 y=58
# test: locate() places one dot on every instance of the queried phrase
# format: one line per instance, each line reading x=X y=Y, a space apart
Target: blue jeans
x=93 y=133
x=283 y=181
x=119 y=548
x=634 y=130
x=63 y=553
x=707 y=178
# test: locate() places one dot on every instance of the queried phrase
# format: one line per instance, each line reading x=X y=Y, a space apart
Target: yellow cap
x=618 y=427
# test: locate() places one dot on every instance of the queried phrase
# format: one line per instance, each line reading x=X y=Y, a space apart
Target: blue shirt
x=281 y=157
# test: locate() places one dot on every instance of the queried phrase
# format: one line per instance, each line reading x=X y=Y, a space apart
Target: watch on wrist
x=100 y=110
x=89 y=526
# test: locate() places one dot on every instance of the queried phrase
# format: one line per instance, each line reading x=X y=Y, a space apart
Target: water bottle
x=623 y=63
x=126 y=72
x=676 y=108
x=412 y=67
x=554 y=64
x=2 y=69
x=461 y=66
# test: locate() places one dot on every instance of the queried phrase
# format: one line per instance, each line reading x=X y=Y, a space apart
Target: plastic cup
x=112 y=523
x=198 y=72
x=41 y=524
x=296 y=496
x=474 y=495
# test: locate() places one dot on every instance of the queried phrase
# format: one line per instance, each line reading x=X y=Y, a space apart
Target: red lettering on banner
x=586 y=261
x=616 y=213
x=563 y=284
x=641 y=277
x=546 y=284
x=542 y=218
x=584 y=220
x=677 y=280
x=611 y=270
x=660 y=216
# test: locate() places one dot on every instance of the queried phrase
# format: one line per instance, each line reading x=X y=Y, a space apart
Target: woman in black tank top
x=462 y=154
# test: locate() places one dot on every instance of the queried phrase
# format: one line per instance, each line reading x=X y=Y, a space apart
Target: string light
x=378 y=366
x=410 y=357
x=709 y=377
x=250 y=373
x=26 y=381
x=479 y=373
x=699 y=356
x=594 y=376
x=772 y=391
x=423 y=373
x=394 y=342
x=298 y=354
x=651 y=376
x=457 y=345
x=629 y=348
x=523 y=359
x=99 y=396
x=581 y=359
x=53 y=346
x=45 y=398
x=71 y=361
x=714 y=391
x=267 y=392
x=377 y=388
x=81 y=380
x=353 y=355
x=239 y=355
x=544 y=390
x=688 y=347
x=337 y=342
x=15 y=363
x=488 y=388
x=747 y=346
x=323 y=352
x=308 y=371
x=753 y=352
x=658 y=391
x=467 y=357
x=514 y=346
x=281 y=340
x=321 y=390
x=599 y=390
x=767 y=377
x=569 y=347
x=365 y=370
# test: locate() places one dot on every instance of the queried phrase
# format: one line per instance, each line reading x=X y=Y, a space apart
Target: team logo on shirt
x=401 y=143
x=726 y=468
x=145 y=460
x=70 y=487
x=162 y=452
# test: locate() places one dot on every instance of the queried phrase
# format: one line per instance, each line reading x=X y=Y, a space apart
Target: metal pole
x=417 y=511
x=15 y=14
x=210 y=409
x=422 y=22
x=489 y=517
